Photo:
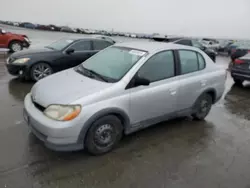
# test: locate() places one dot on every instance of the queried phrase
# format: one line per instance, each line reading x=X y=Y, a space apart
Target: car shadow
x=237 y=100
x=19 y=88
x=182 y=137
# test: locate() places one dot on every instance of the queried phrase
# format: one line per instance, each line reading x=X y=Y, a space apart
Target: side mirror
x=3 y=31
x=70 y=51
x=139 y=81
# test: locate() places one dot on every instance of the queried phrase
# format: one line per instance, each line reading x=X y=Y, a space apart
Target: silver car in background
x=120 y=90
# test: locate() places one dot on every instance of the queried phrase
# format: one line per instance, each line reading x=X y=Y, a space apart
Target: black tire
x=238 y=82
x=214 y=58
x=15 y=46
x=94 y=142
x=202 y=107
x=44 y=68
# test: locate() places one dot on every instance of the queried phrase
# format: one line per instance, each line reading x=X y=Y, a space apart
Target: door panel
x=190 y=89
x=153 y=101
x=64 y=61
x=80 y=57
x=159 y=98
x=192 y=79
x=82 y=51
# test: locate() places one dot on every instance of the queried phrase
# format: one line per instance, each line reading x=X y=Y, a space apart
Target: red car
x=14 y=42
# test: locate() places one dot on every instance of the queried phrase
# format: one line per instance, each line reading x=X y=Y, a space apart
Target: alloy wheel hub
x=41 y=71
x=16 y=47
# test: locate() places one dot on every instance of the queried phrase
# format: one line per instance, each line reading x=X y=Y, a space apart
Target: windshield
x=60 y=44
x=114 y=62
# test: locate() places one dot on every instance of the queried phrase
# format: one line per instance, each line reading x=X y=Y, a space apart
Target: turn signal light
x=238 y=61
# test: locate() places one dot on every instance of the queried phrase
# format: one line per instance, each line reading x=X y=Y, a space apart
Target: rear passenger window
x=189 y=61
x=202 y=63
x=100 y=45
x=158 y=67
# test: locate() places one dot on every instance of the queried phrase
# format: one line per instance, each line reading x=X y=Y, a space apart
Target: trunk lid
x=242 y=63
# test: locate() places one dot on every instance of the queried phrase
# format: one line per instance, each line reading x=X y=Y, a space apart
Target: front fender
x=108 y=111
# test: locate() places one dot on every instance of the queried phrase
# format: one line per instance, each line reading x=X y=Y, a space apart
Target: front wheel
x=15 y=46
x=202 y=107
x=39 y=71
x=103 y=135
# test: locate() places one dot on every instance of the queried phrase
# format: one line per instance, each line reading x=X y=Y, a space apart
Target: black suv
x=188 y=42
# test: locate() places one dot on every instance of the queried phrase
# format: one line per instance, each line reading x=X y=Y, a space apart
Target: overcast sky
x=219 y=18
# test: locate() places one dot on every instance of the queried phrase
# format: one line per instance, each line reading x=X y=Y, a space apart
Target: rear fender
x=210 y=91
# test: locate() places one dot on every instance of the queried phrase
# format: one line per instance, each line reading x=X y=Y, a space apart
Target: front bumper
x=17 y=70
x=56 y=135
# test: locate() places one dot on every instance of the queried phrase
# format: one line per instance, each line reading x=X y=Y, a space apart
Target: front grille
x=38 y=106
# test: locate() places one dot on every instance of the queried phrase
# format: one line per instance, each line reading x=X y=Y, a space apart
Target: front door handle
x=172 y=91
x=203 y=82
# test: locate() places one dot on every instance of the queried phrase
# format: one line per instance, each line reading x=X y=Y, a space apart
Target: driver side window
x=159 y=67
x=81 y=46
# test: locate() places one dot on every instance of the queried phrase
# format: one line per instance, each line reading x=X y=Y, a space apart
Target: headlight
x=27 y=40
x=62 y=112
x=21 y=60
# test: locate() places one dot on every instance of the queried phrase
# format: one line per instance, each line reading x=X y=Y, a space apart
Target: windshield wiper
x=92 y=72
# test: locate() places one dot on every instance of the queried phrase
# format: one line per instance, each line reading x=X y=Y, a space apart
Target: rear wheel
x=15 y=46
x=202 y=107
x=103 y=135
x=238 y=82
x=39 y=71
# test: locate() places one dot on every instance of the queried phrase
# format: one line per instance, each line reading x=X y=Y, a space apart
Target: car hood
x=14 y=34
x=65 y=87
x=31 y=52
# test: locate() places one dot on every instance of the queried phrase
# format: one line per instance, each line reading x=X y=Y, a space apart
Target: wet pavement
x=178 y=153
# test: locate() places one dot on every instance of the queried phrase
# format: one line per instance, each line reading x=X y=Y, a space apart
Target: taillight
x=238 y=61
x=248 y=51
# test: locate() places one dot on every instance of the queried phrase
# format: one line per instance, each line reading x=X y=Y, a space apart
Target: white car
x=210 y=44
x=122 y=89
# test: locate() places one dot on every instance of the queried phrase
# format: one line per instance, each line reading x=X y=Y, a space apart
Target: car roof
x=153 y=47
x=87 y=37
